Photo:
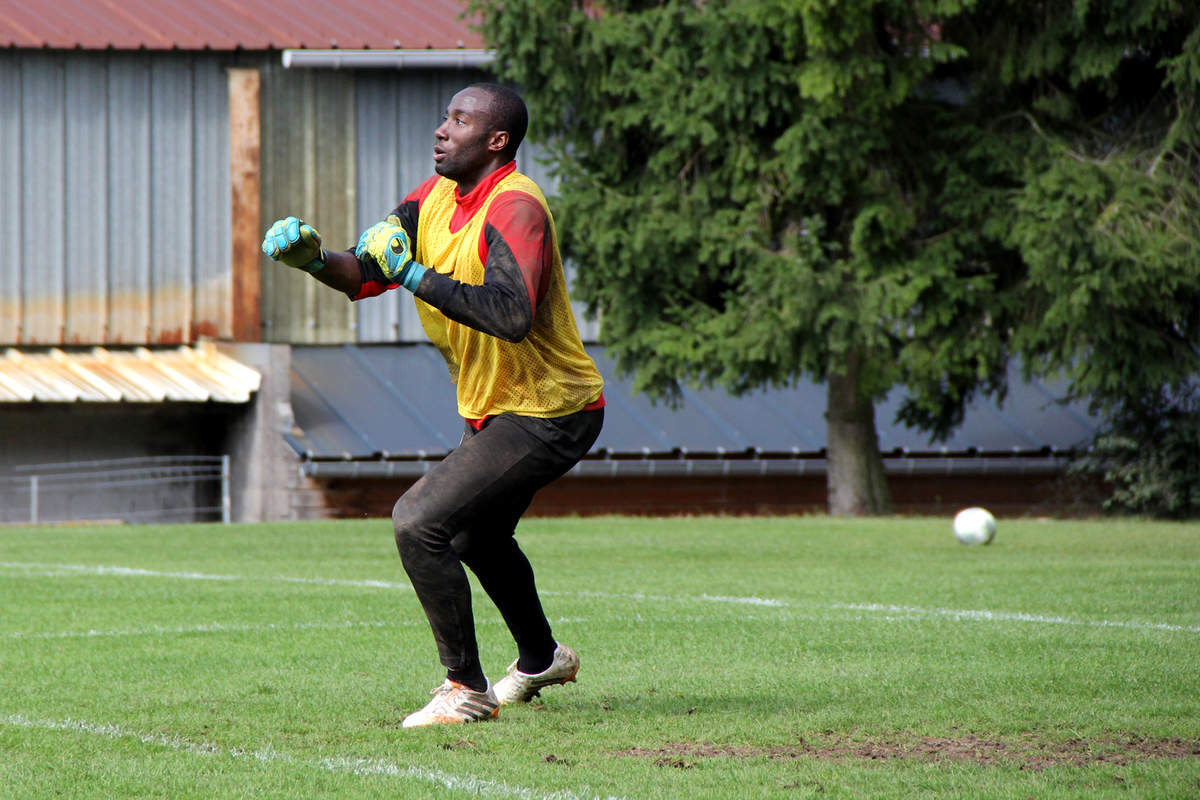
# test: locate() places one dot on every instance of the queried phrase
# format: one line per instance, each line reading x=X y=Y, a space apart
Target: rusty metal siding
x=85 y=291
x=171 y=200
x=116 y=193
x=115 y=184
x=212 y=192
x=129 y=155
x=43 y=134
x=10 y=194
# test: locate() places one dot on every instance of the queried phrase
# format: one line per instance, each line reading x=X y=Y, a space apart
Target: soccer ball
x=974 y=526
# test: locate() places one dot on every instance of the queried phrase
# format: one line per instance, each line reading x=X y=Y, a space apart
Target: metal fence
x=135 y=490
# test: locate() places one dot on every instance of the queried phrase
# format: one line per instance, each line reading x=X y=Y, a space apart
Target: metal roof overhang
x=388 y=59
x=140 y=375
x=389 y=411
x=762 y=466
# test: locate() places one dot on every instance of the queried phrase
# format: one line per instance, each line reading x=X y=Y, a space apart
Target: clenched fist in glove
x=388 y=245
x=295 y=243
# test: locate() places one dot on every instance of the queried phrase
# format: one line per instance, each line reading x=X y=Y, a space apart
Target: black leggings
x=465 y=511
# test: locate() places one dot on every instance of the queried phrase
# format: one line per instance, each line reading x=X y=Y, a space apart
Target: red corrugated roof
x=233 y=24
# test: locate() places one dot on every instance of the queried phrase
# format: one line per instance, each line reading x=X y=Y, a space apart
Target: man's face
x=461 y=143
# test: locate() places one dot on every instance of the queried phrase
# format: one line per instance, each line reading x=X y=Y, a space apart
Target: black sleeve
x=501 y=307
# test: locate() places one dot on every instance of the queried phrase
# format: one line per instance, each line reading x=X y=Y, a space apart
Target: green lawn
x=722 y=658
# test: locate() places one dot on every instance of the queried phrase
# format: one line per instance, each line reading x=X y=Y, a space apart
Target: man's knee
x=409 y=527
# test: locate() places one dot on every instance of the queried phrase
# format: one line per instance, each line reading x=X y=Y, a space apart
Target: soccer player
x=476 y=246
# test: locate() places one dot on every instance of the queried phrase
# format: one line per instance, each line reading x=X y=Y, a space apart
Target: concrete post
x=263 y=468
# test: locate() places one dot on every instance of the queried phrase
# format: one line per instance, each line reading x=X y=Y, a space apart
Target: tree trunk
x=855 y=480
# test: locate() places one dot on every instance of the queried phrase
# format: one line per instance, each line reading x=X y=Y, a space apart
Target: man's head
x=482 y=128
x=508 y=113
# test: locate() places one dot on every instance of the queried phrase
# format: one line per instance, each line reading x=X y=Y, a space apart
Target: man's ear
x=497 y=141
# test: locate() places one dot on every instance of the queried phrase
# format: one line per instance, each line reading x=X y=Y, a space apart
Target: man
x=476 y=245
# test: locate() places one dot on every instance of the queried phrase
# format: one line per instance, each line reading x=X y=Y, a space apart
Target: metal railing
x=145 y=489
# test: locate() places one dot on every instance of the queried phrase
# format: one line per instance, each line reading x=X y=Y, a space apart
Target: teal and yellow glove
x=295 y=243
x=388 y=245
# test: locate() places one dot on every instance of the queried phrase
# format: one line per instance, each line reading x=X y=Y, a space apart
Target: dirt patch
x=1027 y=752
x=461 y=744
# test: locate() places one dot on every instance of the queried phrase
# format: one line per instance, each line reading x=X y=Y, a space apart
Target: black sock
x=471 y=677
x=532 y=662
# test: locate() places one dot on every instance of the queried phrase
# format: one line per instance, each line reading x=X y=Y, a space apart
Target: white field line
x=209 y=627
x=897 y=612
x=470 y=784
x=889 y=611
x=58 y=570
x=220 y=627
x=461 y=783
x=1008 y=616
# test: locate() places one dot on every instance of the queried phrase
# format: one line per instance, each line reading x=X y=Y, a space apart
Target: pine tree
x=873 y=193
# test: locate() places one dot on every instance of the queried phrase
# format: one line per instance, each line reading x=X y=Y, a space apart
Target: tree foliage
x=767 y=189
x=1149 y=454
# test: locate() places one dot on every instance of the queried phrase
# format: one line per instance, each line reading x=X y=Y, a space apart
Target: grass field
x=722 y=658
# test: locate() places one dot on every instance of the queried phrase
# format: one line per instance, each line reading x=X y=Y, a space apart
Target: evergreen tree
x=873 y=193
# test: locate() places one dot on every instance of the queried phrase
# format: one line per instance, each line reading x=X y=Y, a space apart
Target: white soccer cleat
x=454 y=703
x=517 y=687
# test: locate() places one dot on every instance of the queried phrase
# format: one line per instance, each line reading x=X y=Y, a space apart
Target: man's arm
x=295 y=243
x=342 y=272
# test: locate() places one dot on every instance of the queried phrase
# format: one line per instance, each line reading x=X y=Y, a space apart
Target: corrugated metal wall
x=115 y=192
x=308 y=171
x=114 y=197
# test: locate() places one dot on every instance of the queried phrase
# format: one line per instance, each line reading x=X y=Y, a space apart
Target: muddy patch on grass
x=1028 y=752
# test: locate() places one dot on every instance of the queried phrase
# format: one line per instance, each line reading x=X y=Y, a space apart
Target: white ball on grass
x=974 y=526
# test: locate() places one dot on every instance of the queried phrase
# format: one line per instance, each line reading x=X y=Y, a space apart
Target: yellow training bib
x=548 y=373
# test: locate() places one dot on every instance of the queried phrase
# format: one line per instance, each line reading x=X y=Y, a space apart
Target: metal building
x=142 y=153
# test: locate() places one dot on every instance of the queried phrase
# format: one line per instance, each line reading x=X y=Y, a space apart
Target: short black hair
x=508 y=114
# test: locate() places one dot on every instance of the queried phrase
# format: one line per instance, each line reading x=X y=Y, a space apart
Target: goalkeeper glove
x=296 y=243
x=388 y=245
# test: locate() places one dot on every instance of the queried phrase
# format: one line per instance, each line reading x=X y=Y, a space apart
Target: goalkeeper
x=476 y=246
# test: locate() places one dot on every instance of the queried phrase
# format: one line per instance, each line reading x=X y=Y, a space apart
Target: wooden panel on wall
x=245 y=139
